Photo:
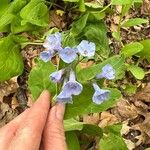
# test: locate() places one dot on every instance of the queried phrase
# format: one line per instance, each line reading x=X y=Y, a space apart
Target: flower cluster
x=67 y=54
x=71 y=86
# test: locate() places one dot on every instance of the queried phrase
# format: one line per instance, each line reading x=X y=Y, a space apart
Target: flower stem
x=95 y=86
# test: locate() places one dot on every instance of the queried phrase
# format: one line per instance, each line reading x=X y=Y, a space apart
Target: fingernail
x=60 y=110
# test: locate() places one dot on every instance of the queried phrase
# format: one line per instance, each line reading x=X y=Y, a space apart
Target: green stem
x=32 y=43
x=105 y=7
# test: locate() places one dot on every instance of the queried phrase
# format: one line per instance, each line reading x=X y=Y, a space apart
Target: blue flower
x=72 y=86
x=68 y=54
x=57 y=76
x=64 y=97
x=100 y=95
x=46 y=55
x=86 y=48
x=107 y=72
x=53 y=42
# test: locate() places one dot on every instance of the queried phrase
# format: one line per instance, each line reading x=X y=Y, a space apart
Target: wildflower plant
x=67 y=76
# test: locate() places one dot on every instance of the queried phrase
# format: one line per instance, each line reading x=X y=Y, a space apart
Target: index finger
x=28 y=136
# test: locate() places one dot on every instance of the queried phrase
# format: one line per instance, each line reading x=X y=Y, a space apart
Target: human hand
x=38 y=124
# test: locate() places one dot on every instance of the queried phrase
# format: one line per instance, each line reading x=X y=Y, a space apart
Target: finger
x=8 y=131
x=28 y=136
x=53 y=136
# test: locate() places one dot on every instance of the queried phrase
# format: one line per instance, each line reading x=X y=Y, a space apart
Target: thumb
x=53 y=136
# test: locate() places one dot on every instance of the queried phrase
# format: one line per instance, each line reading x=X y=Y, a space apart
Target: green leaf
x=120 y=2
x=92 y=130
x=89 y=73
x=5 y=20
x=130 y=89
x=9 y=13
x=16 y=26
x=116 y=35
x=134 y=22
x=11 y=63
x=72 y=124
x=3 y=5
x=136 y=71
x=125 y=8
x=35 y=12
x=145 y=53
x=72 y=141
x=83 y=103
x=96 y=32
x=112 y=140
x=131 y=49
x=39 y=79
x=79 y=25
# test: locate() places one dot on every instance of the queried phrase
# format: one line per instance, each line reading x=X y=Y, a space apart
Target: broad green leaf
x=92 y=130
x=16 y=26
x=112 y=139
x=96 y=32
x=16 y=6
x=11 y=63
x=131 y=49
x=89 y=73
x=3 y=5
x=136 y=71
x=145 y=53
x=72 y=124
x=39 y=79
x=69 y=40
x=5 y=20
x=96 y=15
x=9 y=13
x=120 y=2
x=83 y=103
x=72 y=141
x=35 y=12
x=134 y=22
x=19 y=39
x=79 y=25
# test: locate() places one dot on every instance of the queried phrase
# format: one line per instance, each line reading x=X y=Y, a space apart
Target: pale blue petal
x=57 y=76
x=107 y=72
x=73 y=88
x=64 y=97
x=53 y=42
x=68 y=54
x=100 y=96
x=86 y=48
x=46 y=55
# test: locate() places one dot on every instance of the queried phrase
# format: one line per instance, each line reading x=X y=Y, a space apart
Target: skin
x=39 y=127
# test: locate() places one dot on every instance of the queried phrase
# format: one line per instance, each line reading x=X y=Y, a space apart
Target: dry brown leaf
x=8 y=87
x=6 y=114
x=92 y=118
x=107 y=119
x=124 y=110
